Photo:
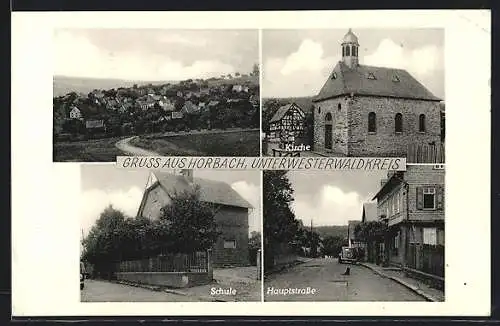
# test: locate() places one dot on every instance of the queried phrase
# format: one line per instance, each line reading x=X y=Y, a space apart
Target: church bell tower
x=350 y=48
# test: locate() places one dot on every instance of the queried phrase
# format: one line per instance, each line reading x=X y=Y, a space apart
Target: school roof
x=373 y=81
x=280 y=113
x=211 y=191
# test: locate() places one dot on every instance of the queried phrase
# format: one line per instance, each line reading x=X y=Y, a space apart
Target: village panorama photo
x=354 y=235
x=170 y=235
x=153 y=92
x=354 y=92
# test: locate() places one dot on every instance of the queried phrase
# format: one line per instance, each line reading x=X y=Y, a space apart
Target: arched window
x=319 y=110
x=343 y=51
x=421 y=123
x=347 y=52
x=339 y=106
x=328 y=117
x=354 y=51
x=398 y=122
x=372 y=122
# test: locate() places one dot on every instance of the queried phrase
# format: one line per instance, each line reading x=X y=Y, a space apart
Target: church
x=373 y=111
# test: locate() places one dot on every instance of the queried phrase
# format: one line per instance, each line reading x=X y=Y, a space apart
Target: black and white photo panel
x=170 y=235
x=354 y=235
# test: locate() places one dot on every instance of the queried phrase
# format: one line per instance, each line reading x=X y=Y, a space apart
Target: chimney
x=188 y=174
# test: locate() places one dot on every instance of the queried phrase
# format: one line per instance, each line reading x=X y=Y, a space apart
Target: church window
x=398 y=123
x=395 y=79
x=421 y=123
x=319 y=110
x=328 y=117
x=372 y=122
x=339 y=106
x=354 y=51
x=371 y=76
x=343 y=51
x=347 y=50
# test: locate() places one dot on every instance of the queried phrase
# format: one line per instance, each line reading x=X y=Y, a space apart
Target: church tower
x=350 y=47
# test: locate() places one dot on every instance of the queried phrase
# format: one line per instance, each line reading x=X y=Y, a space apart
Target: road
x=325 y=276
x=101 y=291
x=125 y=146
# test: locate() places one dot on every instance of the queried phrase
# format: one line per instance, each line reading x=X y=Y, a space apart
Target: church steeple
x=350 y=47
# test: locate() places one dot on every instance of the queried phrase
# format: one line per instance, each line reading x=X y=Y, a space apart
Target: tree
x=187 y=224
x=332 y=245
x=254 y=242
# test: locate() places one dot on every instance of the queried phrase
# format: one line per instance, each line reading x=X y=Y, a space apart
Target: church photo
x=354 y=92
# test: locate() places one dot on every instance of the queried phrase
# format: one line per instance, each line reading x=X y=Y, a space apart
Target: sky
x=332 y=197
x=104 y=184
x=297 y=62
x=153 y=54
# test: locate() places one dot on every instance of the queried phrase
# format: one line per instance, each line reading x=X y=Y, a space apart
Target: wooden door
x=328 y=136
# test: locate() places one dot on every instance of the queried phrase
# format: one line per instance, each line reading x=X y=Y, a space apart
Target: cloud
x=421 y=62
x=302 y=73
x=332 y=206
x=75 y=55
x=94 y=201
x=250 y=193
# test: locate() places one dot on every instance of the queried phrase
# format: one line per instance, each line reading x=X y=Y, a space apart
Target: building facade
x=411 y=202
x=287 y=124
x=231 y=247
x=373 y=111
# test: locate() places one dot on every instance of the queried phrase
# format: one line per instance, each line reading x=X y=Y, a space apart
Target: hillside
x=332 y=230
x=63 y=85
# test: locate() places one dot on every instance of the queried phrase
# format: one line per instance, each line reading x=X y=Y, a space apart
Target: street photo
x=354 y=235
x=354 y=92
x=170 y=235
x=152 y=92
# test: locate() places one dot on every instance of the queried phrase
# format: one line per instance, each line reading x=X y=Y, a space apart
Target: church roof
x=350 y=37
x=283 y=110
x=374 y=81
x=211 y=191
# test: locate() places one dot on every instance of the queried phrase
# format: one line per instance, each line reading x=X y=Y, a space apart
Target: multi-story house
x=411 y=202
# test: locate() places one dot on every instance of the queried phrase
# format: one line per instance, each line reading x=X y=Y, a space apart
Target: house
x=190 y=108
x=166 y=104
x=95 y=125
x=287 y=124
x=213 y=104
x=75 y=113
x=237 y=88
x=177 y=115
x=231 y=248
x=411 y=202
x=202 y=106
x=372 y=111
x=351 y=233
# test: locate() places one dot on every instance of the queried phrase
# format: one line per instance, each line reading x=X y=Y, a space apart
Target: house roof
x=386 y=82
x=283 y=110
x=211 y=191
x=395 y=179
x=369 y=212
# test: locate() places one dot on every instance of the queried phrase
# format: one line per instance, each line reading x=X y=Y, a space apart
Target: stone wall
x=385 y=141
x=339 y=123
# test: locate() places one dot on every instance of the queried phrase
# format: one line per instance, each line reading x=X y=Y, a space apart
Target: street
x=324 y=276
x=101 y=291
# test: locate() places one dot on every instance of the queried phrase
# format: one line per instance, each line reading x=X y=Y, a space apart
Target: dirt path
x=125 y=146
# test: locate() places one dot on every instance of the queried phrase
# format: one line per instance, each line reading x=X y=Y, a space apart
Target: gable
x=154 y=199
x=286 y=109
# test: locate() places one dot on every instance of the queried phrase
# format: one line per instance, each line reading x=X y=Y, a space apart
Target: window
x=343 y=51
x=397 y=202
x=395 y=79
x=339 y=106
x=354 y=51
x=396 y=241
x=371 y=76
x=229 y=244
x=319 y=110
x=421 y=123
x=328 y=117
x=429 y=198
x=430 y=236
x=334 y=75
x=372 y=122
x=347 y=50
x=398 y=122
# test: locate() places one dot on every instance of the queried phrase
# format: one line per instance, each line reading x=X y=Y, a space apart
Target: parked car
x=82 y=275
x=348 y=255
